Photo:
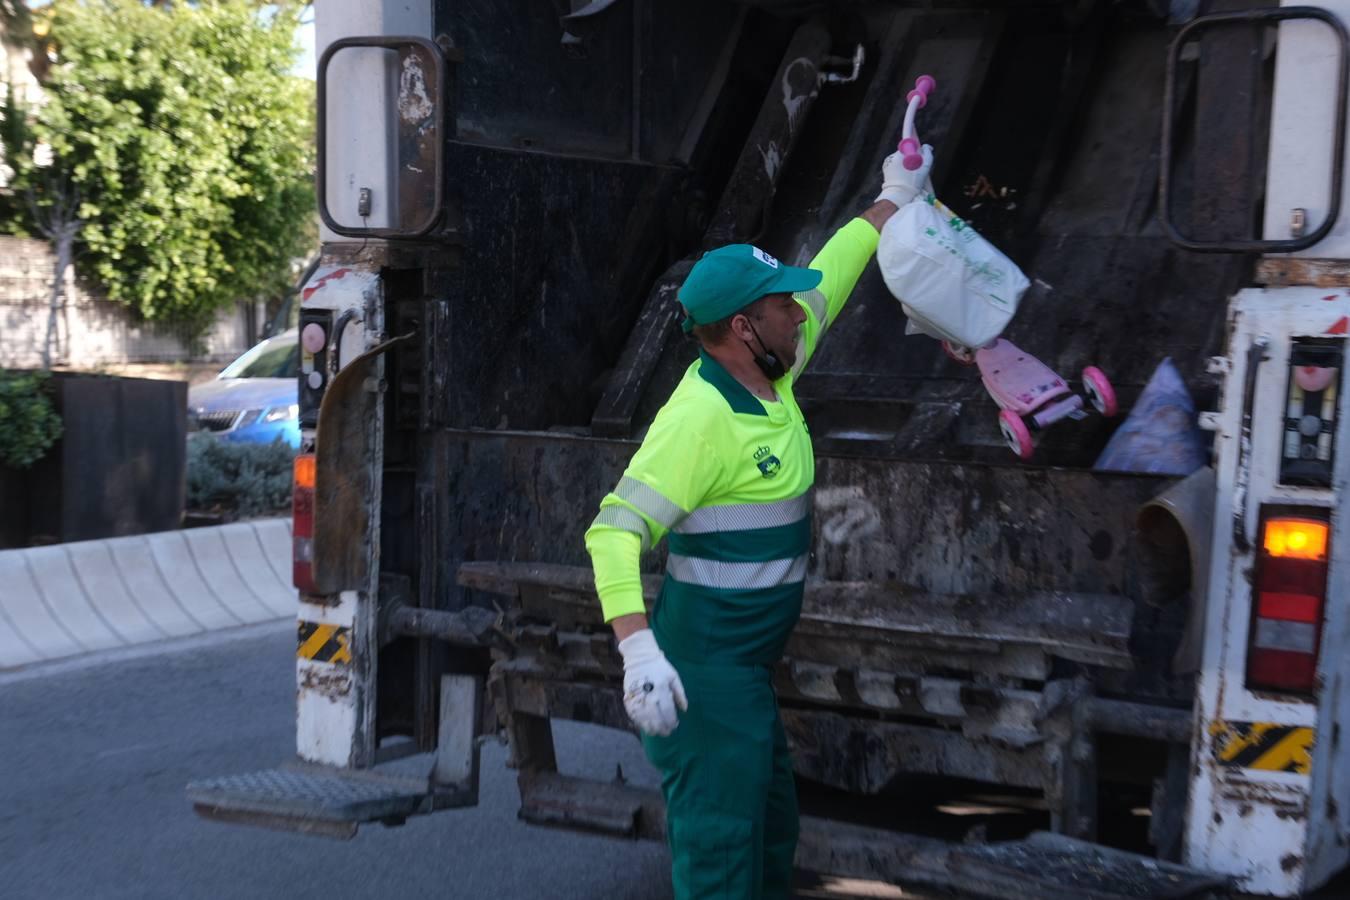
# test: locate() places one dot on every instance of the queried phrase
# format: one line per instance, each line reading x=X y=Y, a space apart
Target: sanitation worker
x=726 y=471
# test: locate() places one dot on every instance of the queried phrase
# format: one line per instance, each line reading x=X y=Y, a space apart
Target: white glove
x=898 y=184
x=651 y=686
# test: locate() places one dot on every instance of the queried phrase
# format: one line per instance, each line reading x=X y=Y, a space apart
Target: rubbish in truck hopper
x=1161 y=435
x=952 y=283
x=959 y=288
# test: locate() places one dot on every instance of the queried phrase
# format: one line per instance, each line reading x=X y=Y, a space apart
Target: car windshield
x=277 y=357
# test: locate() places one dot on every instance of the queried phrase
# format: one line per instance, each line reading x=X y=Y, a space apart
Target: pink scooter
x=1030 y=396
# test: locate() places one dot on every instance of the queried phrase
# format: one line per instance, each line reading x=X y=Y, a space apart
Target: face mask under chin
x=769 y=363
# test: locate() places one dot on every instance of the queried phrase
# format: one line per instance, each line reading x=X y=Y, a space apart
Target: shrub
x=29 y=425
x=240 y=480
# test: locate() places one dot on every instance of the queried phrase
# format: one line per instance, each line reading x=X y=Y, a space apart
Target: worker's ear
x=740 y=327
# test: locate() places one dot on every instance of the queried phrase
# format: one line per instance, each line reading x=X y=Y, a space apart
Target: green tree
x=188 y=145
x=28 y=423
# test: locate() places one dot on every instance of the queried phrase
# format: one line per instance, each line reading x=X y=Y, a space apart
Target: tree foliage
x=190 y=146
x=29 y=425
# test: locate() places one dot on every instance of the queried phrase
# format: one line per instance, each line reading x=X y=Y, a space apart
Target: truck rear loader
x=512 y=192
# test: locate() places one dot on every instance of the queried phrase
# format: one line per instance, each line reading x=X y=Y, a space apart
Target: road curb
x=66 y=600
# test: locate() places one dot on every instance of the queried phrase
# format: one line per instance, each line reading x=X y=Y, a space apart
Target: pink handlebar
x=909 y=140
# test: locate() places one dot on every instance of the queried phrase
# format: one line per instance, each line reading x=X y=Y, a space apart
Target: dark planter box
x=119 y=468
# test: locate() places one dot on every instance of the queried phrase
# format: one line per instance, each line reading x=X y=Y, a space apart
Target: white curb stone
x=67 y=599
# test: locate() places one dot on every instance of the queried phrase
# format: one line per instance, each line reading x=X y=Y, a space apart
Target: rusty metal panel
x=880 y=627
x=970 y=529
x=1054 y=866
x=570 y=802
x=936 y=528
x=865 y=756
x=538 y=688
x=1292 y=271
x=344 y=475
x=1085 y=627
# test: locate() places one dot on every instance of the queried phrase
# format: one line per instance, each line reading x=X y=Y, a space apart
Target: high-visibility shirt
x=728 y=477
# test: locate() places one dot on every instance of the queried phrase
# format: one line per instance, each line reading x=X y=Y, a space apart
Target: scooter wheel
x=1016 y=433
x=1099 y=391
x=964 y=355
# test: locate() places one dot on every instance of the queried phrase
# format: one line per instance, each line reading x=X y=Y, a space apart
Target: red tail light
x=302 y=526
x=1289 y=596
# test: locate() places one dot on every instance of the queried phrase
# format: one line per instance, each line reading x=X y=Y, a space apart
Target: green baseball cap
x=730 y=278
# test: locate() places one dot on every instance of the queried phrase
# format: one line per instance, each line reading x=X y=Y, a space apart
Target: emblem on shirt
x=767 y=462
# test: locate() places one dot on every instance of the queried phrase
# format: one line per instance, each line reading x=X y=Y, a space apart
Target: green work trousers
x=731 y=802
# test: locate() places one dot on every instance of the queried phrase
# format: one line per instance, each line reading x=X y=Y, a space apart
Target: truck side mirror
x=381 y=136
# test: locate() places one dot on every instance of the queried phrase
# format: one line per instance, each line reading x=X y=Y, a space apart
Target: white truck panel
x=1302 y=117
x=1279 y=832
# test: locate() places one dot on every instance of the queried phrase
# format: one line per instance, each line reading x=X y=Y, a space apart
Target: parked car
x=253 y=399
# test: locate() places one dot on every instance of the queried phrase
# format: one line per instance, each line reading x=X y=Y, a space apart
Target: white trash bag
x=953 y=284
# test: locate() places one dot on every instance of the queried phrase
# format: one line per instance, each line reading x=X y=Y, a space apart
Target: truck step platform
x=315 y=799
x=1053 y=865
x=1041 y=866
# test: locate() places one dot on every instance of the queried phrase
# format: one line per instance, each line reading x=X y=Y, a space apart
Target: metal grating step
x=312 y=800
x=1069 y=868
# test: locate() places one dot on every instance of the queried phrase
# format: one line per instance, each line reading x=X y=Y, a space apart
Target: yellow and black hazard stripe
x=1263 y=745
x=325 y=643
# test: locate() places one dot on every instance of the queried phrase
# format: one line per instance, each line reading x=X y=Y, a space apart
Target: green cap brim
x=794 y=280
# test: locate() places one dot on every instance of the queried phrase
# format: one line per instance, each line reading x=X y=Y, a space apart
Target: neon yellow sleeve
x=669 y=476
x=842 y=261
x=615 y=554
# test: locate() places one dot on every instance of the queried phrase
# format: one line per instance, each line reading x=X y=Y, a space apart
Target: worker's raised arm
x=842 y=260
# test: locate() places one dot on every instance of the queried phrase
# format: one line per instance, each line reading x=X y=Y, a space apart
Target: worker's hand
x=651 y=686
x=898 y=184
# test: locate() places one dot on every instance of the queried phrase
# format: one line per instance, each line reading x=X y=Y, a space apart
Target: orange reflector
x=304 y=470
x=1294 y=538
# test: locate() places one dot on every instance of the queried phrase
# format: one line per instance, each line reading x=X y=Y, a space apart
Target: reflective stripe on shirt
x=625 y=519
x=649 y=501
x=818 y=303
x=744 y=516
x=736 y=576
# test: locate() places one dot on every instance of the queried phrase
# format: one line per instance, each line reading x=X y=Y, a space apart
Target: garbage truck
x=512 y=192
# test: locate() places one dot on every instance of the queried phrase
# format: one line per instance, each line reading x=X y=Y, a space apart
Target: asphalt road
x=94 y=758
x=95 y=754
